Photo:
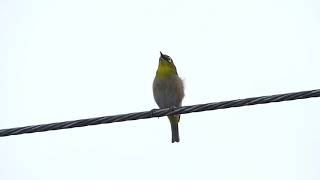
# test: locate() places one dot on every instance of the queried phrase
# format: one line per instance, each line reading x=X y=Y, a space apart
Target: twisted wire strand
x=161 y=112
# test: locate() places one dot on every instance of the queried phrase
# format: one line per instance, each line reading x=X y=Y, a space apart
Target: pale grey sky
x=64 y=60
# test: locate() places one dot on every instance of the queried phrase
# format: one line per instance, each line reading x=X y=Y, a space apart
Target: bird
x=168 y=91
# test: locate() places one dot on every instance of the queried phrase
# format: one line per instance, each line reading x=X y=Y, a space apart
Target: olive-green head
x=166 y=66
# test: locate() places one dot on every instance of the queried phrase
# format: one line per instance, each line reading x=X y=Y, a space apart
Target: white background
x=65 y=60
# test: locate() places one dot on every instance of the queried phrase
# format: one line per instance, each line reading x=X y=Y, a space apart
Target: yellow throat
x=165 y=69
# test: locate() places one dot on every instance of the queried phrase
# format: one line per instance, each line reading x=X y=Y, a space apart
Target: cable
x=161 y=112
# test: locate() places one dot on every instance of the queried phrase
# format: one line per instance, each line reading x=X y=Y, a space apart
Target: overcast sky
x=66 y=59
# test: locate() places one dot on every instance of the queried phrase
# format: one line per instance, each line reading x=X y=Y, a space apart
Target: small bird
x=168 y=91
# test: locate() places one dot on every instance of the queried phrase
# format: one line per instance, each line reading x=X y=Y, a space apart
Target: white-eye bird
x=168 y=91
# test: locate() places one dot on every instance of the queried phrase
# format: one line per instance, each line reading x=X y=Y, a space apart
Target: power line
x=161 y=112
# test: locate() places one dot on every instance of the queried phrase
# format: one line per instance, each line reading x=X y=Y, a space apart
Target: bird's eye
x=169 y=60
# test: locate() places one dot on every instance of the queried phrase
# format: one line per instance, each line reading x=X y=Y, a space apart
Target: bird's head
x=166 y=65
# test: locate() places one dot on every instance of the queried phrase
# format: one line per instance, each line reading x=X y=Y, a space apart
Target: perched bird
x=168 y=91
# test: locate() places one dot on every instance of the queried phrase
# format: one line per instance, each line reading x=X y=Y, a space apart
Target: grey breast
x=168 y=93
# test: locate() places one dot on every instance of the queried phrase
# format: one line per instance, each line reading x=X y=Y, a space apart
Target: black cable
x=161 y=112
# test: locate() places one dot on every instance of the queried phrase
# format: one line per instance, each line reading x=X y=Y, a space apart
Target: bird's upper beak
x=161 y=55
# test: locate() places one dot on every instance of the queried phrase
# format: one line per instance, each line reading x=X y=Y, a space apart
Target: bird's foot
x=152 y=112
x=172 y=108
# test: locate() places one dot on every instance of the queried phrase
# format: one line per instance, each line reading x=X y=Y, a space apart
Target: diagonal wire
x=161 y=112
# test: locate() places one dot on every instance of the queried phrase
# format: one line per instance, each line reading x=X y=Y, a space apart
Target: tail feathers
x=174 y=128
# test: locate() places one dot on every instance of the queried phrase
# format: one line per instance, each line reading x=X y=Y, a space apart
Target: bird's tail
x=174 y=120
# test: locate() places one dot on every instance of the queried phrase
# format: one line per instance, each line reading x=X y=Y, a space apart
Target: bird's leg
x=152 y=111
x=172 y=108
